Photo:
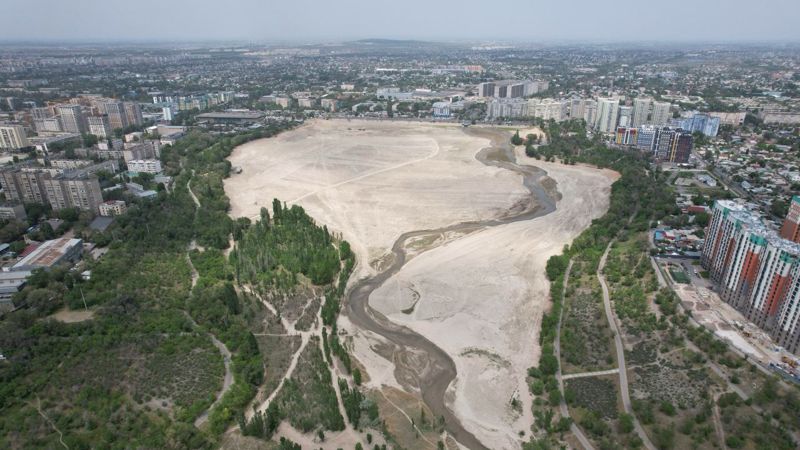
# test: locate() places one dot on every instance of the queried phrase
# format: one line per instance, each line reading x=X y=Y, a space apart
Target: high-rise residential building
x=607 y=113
x=486 y=89
x=72 y=119
x=41 y=113
x=699 y=122
x=791 y=224
x=169 y=111
x=13 y=137
x=673 y=145
x=76 y=189
x=82 y=192
x=48 y=125
x=99 y=126
x=646 y=137
x=627 y=136
x=589 y=112
x=535 y=87
x=507 y=108
x=576 y=108
x=22 y=187
x=511 y=88
x=116 y=114
x=133 y=113
x=661 y=113
x=625 y=116
x=758 y=272
x=515 y=89
x=546 y=109
x=641 y=111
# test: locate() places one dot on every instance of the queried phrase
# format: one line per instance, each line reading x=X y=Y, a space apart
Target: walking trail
x=576 y=430
x=623 y=370
x=227 y=381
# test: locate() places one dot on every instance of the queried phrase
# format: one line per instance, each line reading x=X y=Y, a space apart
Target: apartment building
x=76 y=189
x=145 y=165
x=13 y=137
x=72 y=118
x=133 y=113
x=791 y=224
x=607 y=114
x=115 y=111
x=641 y=111
x=757 y=271
x=673 y=145
x=662 y=113
x=100 y=126
x=507 y=108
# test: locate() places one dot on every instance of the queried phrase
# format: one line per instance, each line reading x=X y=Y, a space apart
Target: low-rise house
x=113 y=208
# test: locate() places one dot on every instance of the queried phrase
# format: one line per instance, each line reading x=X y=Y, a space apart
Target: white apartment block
x=641 y=111
x=661 y=113
x=607 y=113
x=99 y=126
x=13 y=137
x=145 y=166
x=547 y=109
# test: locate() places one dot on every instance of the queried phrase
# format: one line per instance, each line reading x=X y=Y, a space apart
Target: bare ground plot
x=372 y=181
x=67 y=315
x=480 y=298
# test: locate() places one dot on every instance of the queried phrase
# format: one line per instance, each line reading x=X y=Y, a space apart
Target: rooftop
x=49 y=253
x=754 y=224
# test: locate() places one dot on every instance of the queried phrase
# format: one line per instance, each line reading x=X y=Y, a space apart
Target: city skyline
x=249 y=20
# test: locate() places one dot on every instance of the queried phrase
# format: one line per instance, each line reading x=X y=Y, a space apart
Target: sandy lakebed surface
x=477 y=293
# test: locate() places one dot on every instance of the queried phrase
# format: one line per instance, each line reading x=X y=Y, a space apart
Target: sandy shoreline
x=479 y=297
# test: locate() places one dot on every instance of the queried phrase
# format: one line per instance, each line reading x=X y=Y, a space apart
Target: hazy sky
x=306 y=20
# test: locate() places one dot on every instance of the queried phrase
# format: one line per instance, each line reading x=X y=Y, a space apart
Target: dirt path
x=441 y=370
x=590 y=374
x=575 y=429
x=623 y=370
x=286 y=325
x=349 y=430
x=47 y=419
x=189 y=188
x=718 y=424
x=227 y=380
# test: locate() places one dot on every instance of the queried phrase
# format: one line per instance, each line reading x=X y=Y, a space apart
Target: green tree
x=516 y=139
x=625 y=423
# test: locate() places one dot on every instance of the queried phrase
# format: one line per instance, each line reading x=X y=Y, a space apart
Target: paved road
x=623 y=370
x=576 y=430
x=441 y=370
